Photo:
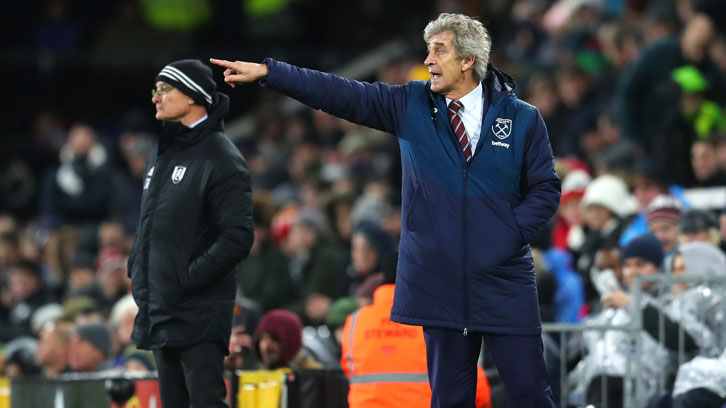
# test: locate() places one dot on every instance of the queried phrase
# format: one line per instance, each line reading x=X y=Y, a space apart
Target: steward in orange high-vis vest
x=385 y=361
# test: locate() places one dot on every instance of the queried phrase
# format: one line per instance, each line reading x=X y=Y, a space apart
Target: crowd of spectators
x=633 y=94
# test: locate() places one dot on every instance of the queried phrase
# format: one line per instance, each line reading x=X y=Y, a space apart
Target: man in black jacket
x=195 y=226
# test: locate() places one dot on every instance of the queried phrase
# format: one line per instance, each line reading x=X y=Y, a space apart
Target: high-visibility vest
x=385 y=362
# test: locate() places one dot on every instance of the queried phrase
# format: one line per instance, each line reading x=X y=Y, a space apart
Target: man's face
x=596 y=216
x=703 y=161
x=83 y=356
x=447 y=71
x=634 y=266
x=270 y=351
x=171 y=104
x=22 y=284
x=50 y=349
x=363 y=256
x=666 y=231
x=125 y=327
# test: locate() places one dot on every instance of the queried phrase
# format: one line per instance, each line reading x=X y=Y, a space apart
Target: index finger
x=221 y=63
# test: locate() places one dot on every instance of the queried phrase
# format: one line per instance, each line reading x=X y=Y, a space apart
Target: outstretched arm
x=377 y=105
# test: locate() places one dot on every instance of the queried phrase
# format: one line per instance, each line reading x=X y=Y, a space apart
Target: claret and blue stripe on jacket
x=464 y=258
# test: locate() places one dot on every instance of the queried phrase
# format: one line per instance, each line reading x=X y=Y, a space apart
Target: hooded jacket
x=195 y=227
x=464 y=258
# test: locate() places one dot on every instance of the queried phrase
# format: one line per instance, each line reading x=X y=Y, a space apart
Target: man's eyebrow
x=431 y=44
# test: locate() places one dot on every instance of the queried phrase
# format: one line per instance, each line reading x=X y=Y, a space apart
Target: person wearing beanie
x=195 y=226
x=90 y=348
x=668 y=326
x=278 y=342
x=607 y=208
x=662 y=217
x=642 y=256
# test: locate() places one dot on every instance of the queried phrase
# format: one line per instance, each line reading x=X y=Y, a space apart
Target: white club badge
x=502 y=128
x=178 y=174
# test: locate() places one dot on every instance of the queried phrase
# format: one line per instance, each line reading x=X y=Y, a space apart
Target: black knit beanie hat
x=644 y=246
x=192 y=77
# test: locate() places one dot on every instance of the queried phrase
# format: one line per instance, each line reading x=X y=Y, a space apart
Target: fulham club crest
x=178 y=174
x=502 y=128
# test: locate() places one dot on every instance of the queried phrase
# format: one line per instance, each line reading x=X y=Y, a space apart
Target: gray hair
x=470 y=38
x=121 y=308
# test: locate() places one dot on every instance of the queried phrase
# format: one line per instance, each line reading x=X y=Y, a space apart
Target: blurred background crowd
x=633 y=93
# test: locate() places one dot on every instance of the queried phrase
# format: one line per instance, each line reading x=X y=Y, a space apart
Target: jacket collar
x=497 y=84
x=174 y=133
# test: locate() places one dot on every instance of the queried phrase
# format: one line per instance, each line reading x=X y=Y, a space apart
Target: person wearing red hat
x=663 y=215
x=278 y=342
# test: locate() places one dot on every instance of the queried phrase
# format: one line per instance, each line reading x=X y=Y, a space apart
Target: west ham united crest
x=178 y=174
x=502 y=128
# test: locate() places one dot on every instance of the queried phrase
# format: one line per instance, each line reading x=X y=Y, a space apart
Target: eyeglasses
x=161 y=90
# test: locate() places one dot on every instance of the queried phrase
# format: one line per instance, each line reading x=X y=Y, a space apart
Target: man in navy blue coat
x=478 y=184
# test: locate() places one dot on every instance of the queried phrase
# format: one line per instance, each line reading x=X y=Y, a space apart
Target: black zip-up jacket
x=195 y=227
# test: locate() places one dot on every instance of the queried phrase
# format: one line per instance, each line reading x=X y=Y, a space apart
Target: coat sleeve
x=230 y=202
x=377 y=105
x=540 y=184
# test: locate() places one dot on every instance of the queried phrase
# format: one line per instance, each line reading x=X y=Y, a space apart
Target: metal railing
x=633 y=335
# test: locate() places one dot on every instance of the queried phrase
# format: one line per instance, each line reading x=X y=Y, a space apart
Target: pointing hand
x=240 y=72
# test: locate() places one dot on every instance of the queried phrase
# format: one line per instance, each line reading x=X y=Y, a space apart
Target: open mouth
x=435 y=75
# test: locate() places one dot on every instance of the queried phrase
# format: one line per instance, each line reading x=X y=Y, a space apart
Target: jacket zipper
x=147 y=236
x=463 y=249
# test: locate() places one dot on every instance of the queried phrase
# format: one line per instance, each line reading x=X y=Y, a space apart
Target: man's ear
x=467 y=63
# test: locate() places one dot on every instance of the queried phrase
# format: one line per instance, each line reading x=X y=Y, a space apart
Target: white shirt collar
x=470 y=100
x=204 y=118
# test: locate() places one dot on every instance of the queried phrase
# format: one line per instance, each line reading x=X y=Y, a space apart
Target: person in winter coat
x=607 y=207
x=195 y=227
x=478 y=185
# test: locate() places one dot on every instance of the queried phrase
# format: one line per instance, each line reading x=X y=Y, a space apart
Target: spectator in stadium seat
x=698 y=225
x=642 y=256
x=18 y=358
x=315 y=262
x=648 y=183
x=27 y=292
x=278 y=342
x=121 y=321
x=195 y=227
x=90 y=348
x=53 y=349
x=369 y=247
x=263 y=276
x=700 y=383
x=646 y=91
x=662 y=217
x=241 y=351
x=607 y=205
x=79 y=190
x=469 y=210
x=706 y=171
